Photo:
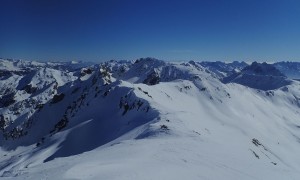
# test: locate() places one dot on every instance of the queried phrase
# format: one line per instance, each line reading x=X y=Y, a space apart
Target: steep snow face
x=259 y=76
x=148 y=119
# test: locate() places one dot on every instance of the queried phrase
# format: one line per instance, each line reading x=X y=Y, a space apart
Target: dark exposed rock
x=57 y=98
x=85 y=71
x=126 y=107
x=29 y=89
x=2 y=122
x=254 y=153
x=39 y=106
x=7 y=100
x=61 y=124
x=5 y=74
x=256 y=142
x=15 y=133
x=152 y=79
x=164 y=127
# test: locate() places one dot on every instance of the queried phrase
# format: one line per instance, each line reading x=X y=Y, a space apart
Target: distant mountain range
x=149 y=119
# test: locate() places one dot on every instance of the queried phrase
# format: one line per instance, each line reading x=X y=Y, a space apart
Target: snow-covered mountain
x=222 y=69
x=148 y=119
x=290 y=69
x=259 y=76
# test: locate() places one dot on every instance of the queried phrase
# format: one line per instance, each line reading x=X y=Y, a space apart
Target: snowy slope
x=149 y=119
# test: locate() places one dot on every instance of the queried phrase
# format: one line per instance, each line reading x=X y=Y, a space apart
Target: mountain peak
x=262 y=69
x=261 y=76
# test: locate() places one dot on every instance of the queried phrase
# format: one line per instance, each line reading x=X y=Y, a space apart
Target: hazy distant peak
x=262 y=69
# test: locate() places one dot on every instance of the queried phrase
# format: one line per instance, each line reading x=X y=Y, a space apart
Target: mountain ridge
x=149 y=114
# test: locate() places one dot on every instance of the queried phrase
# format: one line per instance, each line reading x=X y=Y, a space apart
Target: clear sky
x=98 y=30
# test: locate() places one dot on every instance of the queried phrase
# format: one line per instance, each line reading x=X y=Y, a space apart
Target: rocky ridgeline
x=30 y=87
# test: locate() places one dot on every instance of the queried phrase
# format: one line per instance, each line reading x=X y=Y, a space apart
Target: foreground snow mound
x=259 y=76
x=149 y=119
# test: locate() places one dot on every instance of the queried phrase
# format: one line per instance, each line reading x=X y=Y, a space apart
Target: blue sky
x=99 y=30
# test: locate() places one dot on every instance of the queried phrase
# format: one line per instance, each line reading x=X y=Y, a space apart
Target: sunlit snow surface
x=188 y=124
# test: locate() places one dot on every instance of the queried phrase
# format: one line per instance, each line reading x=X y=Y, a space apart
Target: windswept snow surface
x=148 y=119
